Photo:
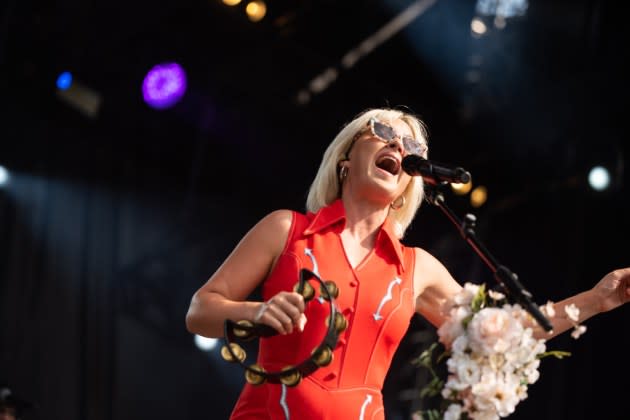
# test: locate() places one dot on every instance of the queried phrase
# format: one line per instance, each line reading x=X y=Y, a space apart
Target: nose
x=396 y=143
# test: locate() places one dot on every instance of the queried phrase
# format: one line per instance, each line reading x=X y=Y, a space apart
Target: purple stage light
x=164 y=85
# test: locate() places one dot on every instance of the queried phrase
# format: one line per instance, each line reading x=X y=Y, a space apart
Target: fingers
x=281 y=316
x=283 y=312
x=302 y=320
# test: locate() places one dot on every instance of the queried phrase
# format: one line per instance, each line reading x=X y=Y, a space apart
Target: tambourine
x=322 y=355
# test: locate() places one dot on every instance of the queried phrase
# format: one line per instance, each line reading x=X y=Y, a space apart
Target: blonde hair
x=326 y=187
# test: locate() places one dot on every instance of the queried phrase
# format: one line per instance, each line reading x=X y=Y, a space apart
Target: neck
x=363 y=219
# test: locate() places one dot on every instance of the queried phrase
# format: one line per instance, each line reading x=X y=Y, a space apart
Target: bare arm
x=612 y=291
x=222 y=296
x=434 y=287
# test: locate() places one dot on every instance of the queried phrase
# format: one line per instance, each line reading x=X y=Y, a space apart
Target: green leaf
x=433 y=388
x=479 y=301
x=558 y=354
x=429 y=414
x=443 y=356
x=425 y=359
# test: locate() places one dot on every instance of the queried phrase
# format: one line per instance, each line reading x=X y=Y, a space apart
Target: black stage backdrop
x=109 y=224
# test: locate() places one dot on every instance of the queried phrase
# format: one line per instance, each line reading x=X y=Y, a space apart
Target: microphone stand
x=506 y=278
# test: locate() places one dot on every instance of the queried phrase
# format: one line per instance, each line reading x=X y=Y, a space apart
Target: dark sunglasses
x=387 y=134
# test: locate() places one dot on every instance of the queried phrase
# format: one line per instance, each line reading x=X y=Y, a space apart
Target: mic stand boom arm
x=506 y=278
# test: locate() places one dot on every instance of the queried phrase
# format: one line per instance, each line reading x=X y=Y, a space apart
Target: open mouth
x=389 y=164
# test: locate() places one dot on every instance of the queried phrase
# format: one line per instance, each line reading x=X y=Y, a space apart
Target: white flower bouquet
x=491 y=356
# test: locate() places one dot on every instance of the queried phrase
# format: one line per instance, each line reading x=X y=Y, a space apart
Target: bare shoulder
x=277 y=222
x=253 y=257
x=278 y=219
x=272 y=230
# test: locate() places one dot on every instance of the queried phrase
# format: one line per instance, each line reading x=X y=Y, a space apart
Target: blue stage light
x=64 y=81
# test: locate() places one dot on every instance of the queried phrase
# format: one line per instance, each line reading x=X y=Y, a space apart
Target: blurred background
x=140 y=140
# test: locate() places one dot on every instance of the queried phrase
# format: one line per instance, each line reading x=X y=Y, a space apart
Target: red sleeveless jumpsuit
x=376 y=298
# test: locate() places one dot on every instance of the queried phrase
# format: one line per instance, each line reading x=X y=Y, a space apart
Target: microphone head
x=410 y=164
x=462 y=175
x=433 y=172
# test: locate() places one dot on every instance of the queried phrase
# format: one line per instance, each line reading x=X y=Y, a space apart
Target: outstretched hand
x=613 y=290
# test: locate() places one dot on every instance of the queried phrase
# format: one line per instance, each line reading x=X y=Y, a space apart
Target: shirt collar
x=334 y=213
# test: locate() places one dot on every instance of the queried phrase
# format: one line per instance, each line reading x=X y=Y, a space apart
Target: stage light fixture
x=4 y=176
x=205 y=343
x=64 y=80
x=502 y=8
x=164 y=85
x=599 y=178
x=461 y=189
x=478 y=196
x=81 y=97
x=256 y=10
x=478 y=27
x=365 y=47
